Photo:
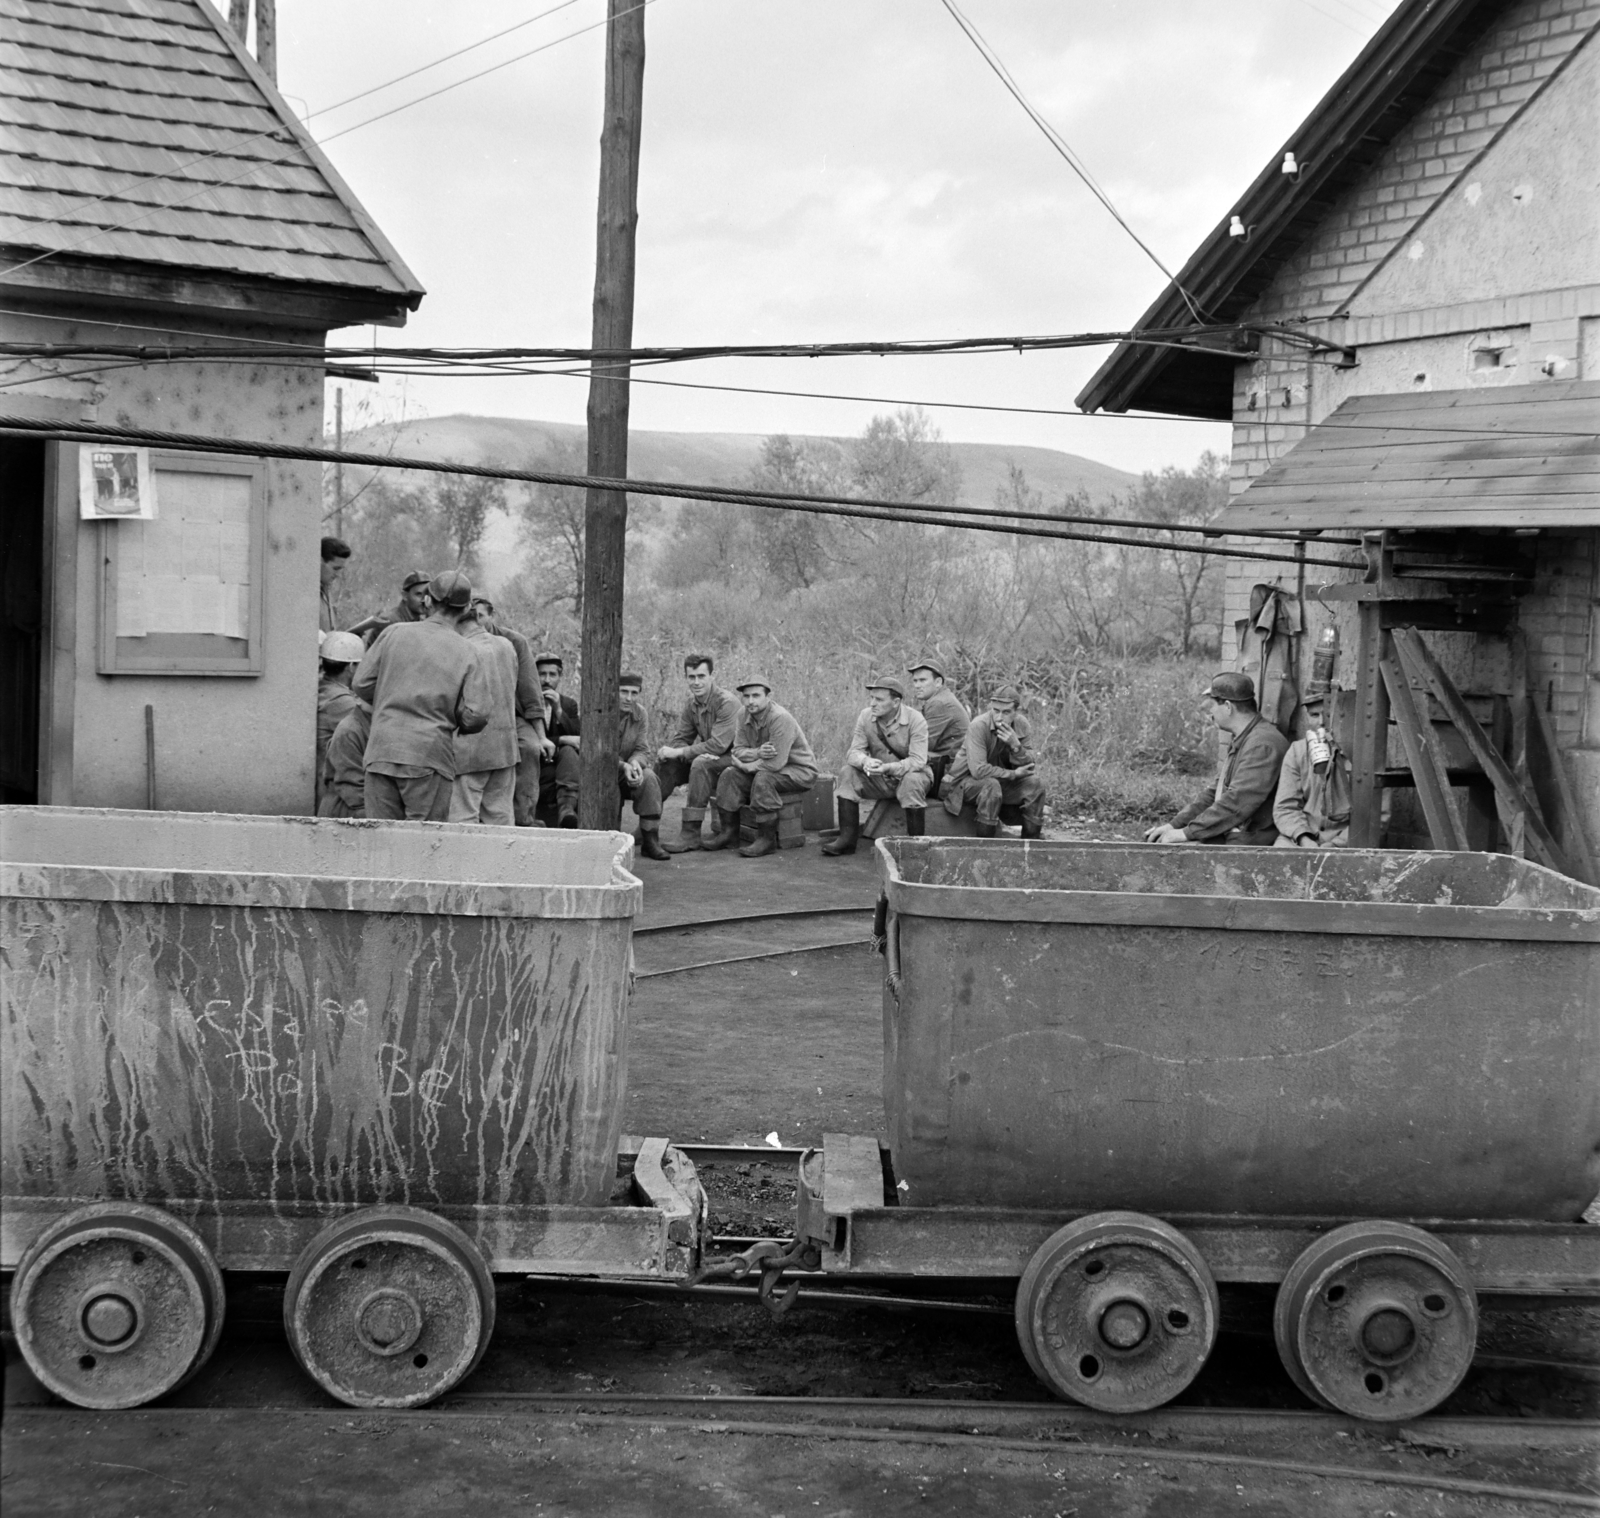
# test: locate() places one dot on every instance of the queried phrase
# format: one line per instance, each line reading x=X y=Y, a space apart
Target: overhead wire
x=976 y=519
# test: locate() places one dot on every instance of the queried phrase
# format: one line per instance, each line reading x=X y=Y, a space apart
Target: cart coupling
x=772 y=1257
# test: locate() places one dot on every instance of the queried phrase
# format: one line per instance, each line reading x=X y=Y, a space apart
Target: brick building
x=156 y=192
x=1403 y=325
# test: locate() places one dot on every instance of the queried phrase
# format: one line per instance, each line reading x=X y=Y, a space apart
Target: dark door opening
x=21 y=615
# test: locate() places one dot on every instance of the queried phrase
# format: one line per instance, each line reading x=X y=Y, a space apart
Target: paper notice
x=164 y=603
x=131 y=619
x=202 y=551
x=234 y=543
x=235 y=611
x=115 y=483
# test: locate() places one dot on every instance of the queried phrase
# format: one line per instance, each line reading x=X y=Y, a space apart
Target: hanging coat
x=1267 y=652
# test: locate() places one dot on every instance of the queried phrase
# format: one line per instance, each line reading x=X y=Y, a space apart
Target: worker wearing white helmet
x=339 y=654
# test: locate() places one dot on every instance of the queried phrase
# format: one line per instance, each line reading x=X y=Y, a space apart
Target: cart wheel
x=1378 y=1320
x=1117 y=1310
x=389 y=1307
x=116 y=1304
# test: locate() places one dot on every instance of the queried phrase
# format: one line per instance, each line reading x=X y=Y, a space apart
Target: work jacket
x=985 y=755
x=424 y=684
x=775 y=726
x=707 y=726
x=494 y=746
x=900 y=741
x=1313 y=799
x=560 y=716
x=1246 y=787
x=632 y=729
x=948 y=721
x=335 y=700
x=343 y=773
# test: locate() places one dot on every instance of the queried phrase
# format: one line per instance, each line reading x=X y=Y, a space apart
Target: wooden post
x=605 y=513
x=239 y=18
x=1370 y=755
x=338 y=469
x=267 y=38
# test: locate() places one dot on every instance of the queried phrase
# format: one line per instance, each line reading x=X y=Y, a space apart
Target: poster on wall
x=115 y=484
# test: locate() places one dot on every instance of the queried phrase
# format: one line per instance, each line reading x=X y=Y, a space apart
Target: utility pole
x=338 y=469
x=266 y=31
x=605 y=512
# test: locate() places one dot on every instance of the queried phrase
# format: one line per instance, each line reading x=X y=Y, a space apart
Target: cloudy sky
x=812 y=171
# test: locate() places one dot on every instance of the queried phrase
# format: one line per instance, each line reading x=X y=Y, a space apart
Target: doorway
x=22 y=472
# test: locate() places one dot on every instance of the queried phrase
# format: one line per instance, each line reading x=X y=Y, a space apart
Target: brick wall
x=1556 y=622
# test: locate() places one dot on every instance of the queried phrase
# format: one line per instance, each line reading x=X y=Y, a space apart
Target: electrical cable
x=1062 y=146
x=882 y=511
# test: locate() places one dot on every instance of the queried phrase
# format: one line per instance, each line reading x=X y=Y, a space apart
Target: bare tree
x=552 y=525
x=462 y=503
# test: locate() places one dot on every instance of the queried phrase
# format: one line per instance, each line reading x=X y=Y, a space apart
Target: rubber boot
x=724 y=829
x=568 y=820
x=650 y=839
x=916 y=822
x=689 y=839
x=987 y=829
x=1033 y=830
x=765 y=841
x=849 y=829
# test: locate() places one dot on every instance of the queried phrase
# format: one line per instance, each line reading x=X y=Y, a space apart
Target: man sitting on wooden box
x=639 y=783
x=888 y=757
x=771 y=758
x=996 y=768
x=1312 y=808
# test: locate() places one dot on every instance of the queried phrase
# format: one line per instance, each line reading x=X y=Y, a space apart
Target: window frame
x=251 y=663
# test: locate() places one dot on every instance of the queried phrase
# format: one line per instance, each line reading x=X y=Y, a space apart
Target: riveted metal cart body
x=260 y=1025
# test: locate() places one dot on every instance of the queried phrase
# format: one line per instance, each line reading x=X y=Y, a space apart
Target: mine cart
x=386 y=1058
x=1121 y=1074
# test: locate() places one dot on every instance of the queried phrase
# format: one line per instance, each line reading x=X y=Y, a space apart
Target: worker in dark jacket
x=411 y=607
x=638 y=781
x=344 y=771
x=947 y=719
x=771 y=758
x=1239 y=808
x=425 y=685
x=702 y=737
x=340 y=653
x=558 y=769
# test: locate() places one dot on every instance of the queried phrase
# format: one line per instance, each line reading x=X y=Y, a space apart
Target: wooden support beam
x=1369 y=754
x=1446 y=826
x=1566 y=823
x=1511 y=821
x=1419 y=663
x=605 y=512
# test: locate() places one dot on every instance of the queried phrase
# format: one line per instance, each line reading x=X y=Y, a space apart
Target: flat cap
x=888 y=683
x=627 y=677
x=554 y=659
x=451 y=588
x=927 y=664
x=1008 y=693
x=416 y=577
x=754 y=680
x=1230 y=685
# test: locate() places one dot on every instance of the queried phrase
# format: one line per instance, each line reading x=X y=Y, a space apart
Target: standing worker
x=335 y=555
x=637 y=780
x=424 y=684
x=888 y=756
x=995 y=768
x=703 y=736
x=339 y=655
x=411 y=607
x=1239 y=808
x=770 y=759
x=486 y=761
x=947 y=719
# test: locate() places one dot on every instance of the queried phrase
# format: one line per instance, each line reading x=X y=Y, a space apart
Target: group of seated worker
x=1268 y=791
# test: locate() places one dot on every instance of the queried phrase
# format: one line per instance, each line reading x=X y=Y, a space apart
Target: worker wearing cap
x=344 y=776
x=995 y=767
x=947 y=719
x=703 y=735
x=486 y=761
x=1239 y=808
x=530 y=713
x=770 y=759
x=339 y=655
x=411 y=607
x=1311 y=809
x=424 y=684
x=637 y=780
x=558 y=769
x=888 y=756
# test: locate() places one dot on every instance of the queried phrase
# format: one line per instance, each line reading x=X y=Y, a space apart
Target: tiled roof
x=140 y=131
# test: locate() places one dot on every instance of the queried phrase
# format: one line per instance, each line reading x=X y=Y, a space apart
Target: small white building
x=156 y=190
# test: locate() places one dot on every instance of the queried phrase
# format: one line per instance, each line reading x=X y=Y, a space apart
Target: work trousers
x=396 y=798
x=484 y=796
x=334 y=802
x=939 y=765
x=1335 y=836
x=525 y=800
x=645 y=796
x=699 y=774
x=762 y=792
x=990 y=795
x=558 y=782
x=910 y=789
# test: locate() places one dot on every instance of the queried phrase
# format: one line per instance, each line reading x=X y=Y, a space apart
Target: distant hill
x=721 y=458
